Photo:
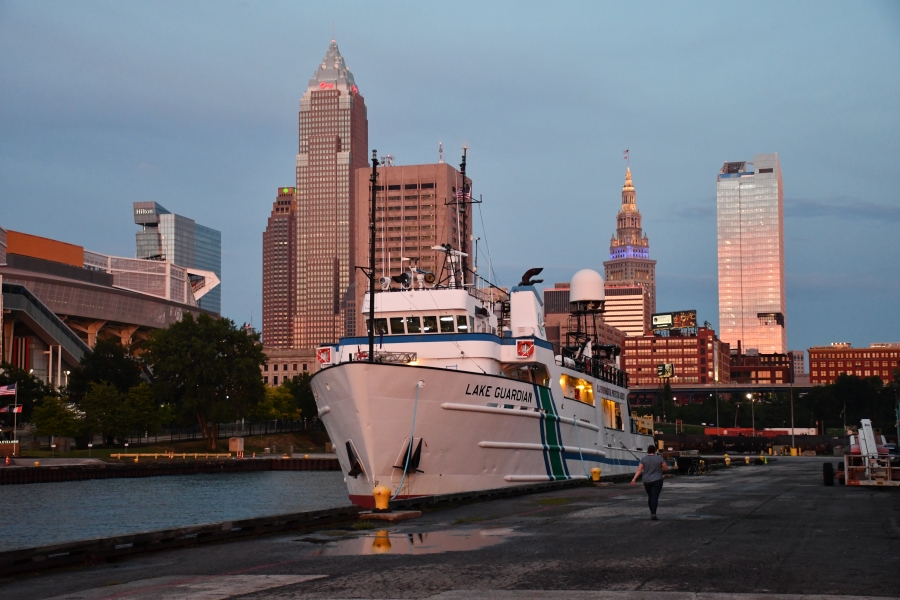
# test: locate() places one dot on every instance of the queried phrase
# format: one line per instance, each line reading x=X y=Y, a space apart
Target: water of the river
x=49 y=513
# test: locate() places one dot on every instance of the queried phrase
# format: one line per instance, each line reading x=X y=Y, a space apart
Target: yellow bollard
x=595 y=474
x=37 y=463
x=770 y=451
x=727 y=461
x=135 y=459
x=306 y=456
x=382 y=542
x=747 y=460
x=793 y=452
x=382 y=498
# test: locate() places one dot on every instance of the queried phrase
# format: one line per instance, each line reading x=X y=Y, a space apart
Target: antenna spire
x=440 y=153
x=332 y=31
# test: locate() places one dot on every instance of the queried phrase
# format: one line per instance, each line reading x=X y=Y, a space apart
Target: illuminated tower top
x=629 y=249
x=332 y=73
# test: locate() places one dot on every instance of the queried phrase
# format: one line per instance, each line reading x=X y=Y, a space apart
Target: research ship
x=456 y=388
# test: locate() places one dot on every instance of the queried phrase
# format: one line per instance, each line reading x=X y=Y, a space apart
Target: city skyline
x=148 y=127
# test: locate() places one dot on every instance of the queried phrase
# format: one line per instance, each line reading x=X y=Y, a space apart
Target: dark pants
x=653 y=491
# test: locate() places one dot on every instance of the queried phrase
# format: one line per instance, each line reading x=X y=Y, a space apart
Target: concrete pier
x=754 y=532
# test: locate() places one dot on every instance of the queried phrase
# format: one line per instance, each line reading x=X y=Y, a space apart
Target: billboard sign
x=665 y=371
x=683 y=319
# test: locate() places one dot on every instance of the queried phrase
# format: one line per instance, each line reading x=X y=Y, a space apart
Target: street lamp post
x=90 y=445
x=752 y=414
x=792 y=415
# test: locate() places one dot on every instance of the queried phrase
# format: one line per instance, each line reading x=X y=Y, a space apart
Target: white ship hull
x=477 y=431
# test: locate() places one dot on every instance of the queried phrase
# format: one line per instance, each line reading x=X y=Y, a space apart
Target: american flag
x=464 y=193
x=626 y=155
x=12 y=408
x=8 y=390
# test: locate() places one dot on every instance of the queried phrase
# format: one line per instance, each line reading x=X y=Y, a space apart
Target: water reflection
x=50 y=513
x=432 y=542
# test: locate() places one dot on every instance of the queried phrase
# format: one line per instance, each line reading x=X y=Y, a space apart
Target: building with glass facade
x=750 y=215
x=169 y=237
x=334 y=143
x=629 y=250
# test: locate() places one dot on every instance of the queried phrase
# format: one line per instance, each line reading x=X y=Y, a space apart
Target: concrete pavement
x=748 y=532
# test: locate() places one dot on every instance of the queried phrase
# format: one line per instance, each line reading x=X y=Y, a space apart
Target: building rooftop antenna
x=440 y=153
x=387 y=160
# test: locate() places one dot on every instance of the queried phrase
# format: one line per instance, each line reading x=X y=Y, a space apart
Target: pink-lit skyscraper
x=750 y=214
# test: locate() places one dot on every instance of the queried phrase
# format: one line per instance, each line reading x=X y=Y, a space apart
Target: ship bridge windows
x=462 y=323
x=397 y=326
x=413 y=325
x=574 y=388
x=381 y=326
x=446 y=323
x=429 y=324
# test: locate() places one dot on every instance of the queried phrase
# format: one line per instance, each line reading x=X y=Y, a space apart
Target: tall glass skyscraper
x=750 y=214
x=180 y=240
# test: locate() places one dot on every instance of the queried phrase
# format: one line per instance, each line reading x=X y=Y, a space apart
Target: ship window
x=612 y=415
x=413 y=325
x=462 y=324
x=447 y=324
x=380 y=326
x=397 y=325
x=575 y=388
x=429 y=324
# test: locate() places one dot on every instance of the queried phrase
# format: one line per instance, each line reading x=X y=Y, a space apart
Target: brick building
x=697 y=359
x=826 y=363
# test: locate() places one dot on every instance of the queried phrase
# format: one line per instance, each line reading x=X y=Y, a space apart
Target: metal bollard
x=382 y=498
x=595 y=474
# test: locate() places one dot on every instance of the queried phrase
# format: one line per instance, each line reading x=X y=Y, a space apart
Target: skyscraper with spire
x=629 y=261
x=319 y=217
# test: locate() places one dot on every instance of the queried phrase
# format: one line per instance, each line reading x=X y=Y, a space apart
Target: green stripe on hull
x=552 y=441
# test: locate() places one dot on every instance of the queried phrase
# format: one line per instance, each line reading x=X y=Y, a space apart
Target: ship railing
x=382 y=356
x=594 y=367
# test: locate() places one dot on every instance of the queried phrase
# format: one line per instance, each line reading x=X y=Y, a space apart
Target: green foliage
x=109 y=361
x=303 y=395
x=103 y=411
x=209 y=369
x=279 y=403
x=53 y=416
x=30 y=391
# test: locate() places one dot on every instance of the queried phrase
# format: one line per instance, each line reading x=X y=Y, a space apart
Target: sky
x=194 y=105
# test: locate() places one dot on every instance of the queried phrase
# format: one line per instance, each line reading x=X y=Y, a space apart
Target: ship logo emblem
x=323 y=355
x=524 y=349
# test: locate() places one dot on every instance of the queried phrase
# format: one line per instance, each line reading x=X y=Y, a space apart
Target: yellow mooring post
x=595 y=474
x=382 y=498
x=727 y=461
x=747 y=460
x=382 y=542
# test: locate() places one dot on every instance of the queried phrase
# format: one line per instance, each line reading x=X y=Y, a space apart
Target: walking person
x=653 y=467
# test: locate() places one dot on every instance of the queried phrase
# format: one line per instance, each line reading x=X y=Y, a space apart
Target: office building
x=286 y=363
x=181 y=241
x=628 y=308
x=629 y=250
x=416 y=208
x=753 y=367
x=334 y=142
x=696 y=359
x=827 y=363
x=556 y=319
x=280 y=271
x=750 y=214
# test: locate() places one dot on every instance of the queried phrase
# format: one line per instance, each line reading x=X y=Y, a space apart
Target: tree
x=109 y=361
x=208 y=368
x=30 y=390
x=303 y=395
x=279 y=403
x=103 y=411
x=54 y=417
x=141 y=412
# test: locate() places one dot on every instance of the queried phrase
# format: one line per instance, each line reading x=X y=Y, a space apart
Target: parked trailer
x=869 y=462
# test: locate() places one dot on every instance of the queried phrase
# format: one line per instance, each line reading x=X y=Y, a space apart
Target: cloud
x=842 y=207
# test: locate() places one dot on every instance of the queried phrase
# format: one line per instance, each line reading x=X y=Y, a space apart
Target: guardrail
x=171 y=455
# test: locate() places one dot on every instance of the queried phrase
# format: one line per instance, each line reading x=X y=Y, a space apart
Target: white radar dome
x=586 y=286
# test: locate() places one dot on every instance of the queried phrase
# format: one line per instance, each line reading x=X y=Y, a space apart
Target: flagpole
x=16 y=415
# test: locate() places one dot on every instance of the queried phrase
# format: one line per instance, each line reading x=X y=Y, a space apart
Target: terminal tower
x=629 y=250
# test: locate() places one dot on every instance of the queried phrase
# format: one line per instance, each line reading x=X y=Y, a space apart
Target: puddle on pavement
x=432 y=542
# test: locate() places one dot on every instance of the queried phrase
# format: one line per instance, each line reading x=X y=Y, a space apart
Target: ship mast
x=371 y=274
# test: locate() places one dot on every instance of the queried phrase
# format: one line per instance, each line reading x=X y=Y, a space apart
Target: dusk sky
x=194 y=105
